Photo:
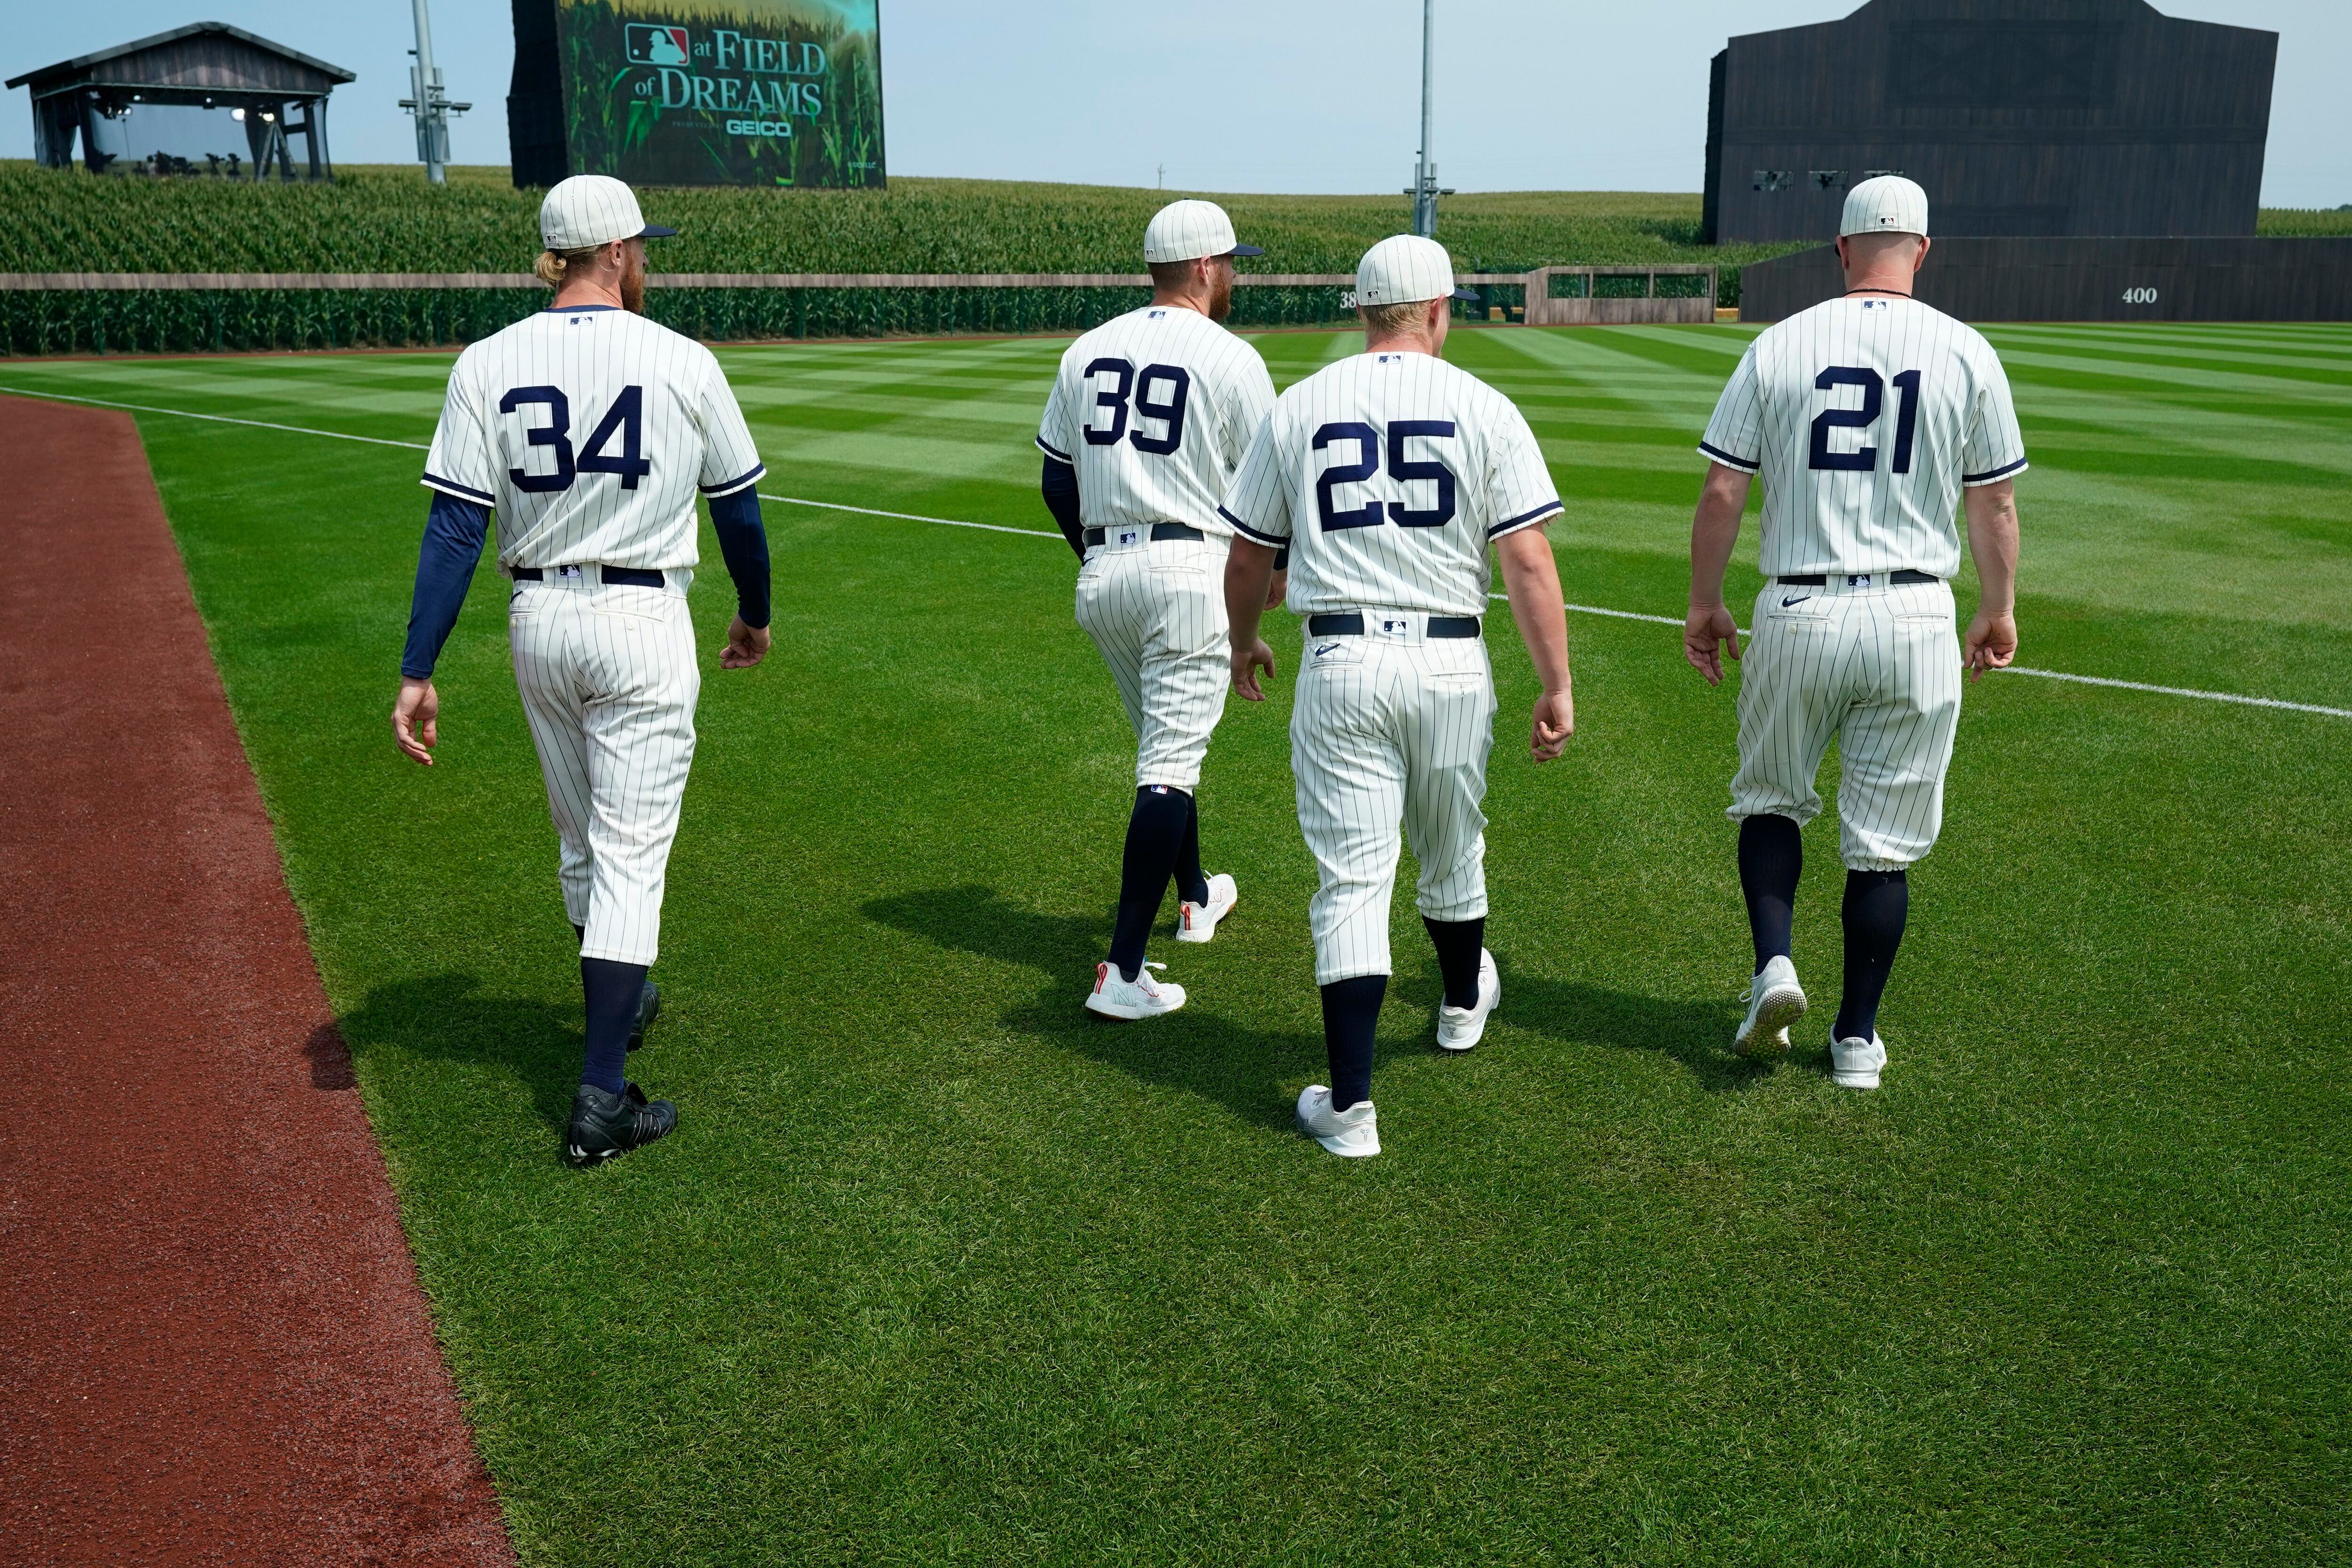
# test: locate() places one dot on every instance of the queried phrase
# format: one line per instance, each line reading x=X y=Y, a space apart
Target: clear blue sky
x=1238 y=95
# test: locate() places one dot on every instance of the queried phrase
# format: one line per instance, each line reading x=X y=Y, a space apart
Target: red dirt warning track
x=214 y=1347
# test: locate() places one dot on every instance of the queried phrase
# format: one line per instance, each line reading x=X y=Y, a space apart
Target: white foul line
x=2022 y=670
x=910 y=516
x=1042 y=534
x=219 y=419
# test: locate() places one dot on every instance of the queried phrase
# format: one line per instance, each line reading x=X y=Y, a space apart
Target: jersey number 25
x=1402 y=468
x=627 y=415
x=1873 y=399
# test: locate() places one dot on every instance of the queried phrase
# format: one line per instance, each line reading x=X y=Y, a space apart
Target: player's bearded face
x=1221 y=288
x=633 y=278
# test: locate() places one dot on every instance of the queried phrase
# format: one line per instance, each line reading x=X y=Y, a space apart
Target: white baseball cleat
x=1855 y=1064
x=1459 y=1028
x=1774 y=1002
x=1198 y=922
x=1354 y=1133
x=1115 y=996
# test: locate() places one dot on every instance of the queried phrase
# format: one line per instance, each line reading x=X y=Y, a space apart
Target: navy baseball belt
x=1160 y=533
x=1903 y=579
x=1352 y=624
x=612 y=576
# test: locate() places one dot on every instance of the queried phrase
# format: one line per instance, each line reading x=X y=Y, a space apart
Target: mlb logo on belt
x=1128 y=536
x=1860 y=579
x=1395 y=627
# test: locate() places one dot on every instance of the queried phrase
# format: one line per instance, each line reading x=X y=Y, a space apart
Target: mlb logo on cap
x=1885 y=204
x=1186 y=231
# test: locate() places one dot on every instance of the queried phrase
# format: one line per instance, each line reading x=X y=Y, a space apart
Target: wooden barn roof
x=203 y=57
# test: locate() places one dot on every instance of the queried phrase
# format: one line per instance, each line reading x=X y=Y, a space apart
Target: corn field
x=389 y=219
x=156 y=321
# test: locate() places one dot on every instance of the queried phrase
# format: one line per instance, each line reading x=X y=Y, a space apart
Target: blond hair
x=553 y=266
x=1387 y=321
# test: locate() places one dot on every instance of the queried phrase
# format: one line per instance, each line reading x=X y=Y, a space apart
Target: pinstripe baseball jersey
x=1388 y=475
x=1866 y=417
x=1154 y=409
x=588 y=430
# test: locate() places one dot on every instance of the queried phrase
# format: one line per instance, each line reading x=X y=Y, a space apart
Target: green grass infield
x=936 y=1268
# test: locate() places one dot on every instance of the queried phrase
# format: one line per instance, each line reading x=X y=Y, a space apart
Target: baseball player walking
x=1387 y=476
x=1872 y=418
x=1148 y=417
x=589 y=429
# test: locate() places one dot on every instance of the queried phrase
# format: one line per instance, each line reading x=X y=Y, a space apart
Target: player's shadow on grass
x=1696 y=1033
x=450 y=1017
x=1242 y=1068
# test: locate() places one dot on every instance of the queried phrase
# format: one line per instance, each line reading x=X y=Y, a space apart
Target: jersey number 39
x=627 y=416
x=1160 y=392
x=1874 y=398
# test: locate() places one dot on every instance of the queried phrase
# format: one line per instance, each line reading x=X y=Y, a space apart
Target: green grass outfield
x=936 y=1268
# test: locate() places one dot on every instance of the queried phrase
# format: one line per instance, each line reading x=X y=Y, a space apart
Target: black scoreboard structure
x=2080 y=123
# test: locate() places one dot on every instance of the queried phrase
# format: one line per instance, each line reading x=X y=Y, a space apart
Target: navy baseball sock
x=1458 y=943
x=1351 y=1011
x=1877 y=902
x=1191 y=885
x=1771 y=858
x=613 y=991
x=1154 y=834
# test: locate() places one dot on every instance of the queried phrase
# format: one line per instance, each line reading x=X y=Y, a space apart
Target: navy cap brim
x=1245 y=250
x=1470 y=294
x=654 y=231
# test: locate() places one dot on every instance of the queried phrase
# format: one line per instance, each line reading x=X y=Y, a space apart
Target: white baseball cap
x=1885 y=204
x=1187 y=231
x=588 y=210
x=1406 y=267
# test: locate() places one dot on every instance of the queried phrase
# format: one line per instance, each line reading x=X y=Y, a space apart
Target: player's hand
x=1275 y=589
x=1555 y=722
x=1990 y=644
x=746 y=645
x=1248 y=663
x=412 y=715
x=1707 y=632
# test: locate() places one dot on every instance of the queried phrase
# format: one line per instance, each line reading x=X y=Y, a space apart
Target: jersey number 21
x=1874 y=398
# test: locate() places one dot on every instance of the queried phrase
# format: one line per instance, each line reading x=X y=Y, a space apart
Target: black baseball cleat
x=606 y=1125
x=648 y=1009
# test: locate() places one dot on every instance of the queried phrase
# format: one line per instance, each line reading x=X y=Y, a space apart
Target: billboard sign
x=723 y=92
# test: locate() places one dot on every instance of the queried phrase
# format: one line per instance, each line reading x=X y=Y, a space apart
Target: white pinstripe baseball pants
x=1878 y=668
x=609 y=683
x=1157 y=611
x=1390 y=730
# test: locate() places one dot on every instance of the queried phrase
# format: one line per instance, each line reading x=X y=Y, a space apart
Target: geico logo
x=759 y=128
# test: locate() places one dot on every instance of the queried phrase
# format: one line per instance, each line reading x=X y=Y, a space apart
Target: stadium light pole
x=1425 y=175
x=430 y=104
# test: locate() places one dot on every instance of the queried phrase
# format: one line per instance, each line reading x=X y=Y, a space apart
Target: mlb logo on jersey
x=1395 y=626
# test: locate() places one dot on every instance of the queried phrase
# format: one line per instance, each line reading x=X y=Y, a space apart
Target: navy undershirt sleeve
x=453 y=532
x=1059 y=482
x=743 y=543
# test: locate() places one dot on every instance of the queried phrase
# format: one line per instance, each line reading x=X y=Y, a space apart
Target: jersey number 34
x=1873 y=399
x=627 y=416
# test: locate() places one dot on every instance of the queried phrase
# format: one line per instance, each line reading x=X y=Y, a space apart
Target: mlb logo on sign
x=651 y=46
